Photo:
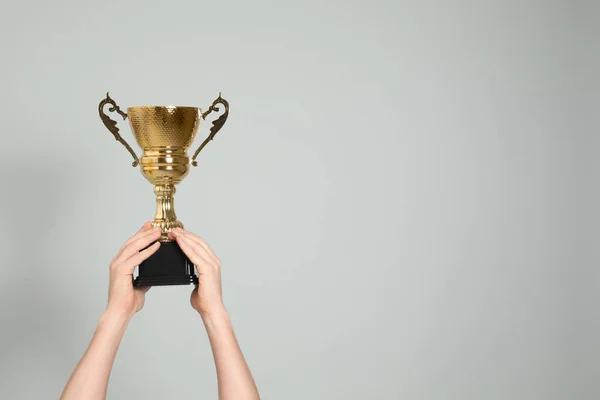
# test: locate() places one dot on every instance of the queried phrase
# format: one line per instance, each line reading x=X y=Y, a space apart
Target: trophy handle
x=216 y=125
x=112 y=125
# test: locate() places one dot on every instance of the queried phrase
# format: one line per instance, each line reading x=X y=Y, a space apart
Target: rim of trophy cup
x=165 y=106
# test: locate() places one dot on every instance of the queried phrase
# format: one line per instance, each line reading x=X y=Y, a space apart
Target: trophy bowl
x=165 y=134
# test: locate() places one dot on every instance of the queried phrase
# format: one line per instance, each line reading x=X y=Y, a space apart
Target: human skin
x=89 y=380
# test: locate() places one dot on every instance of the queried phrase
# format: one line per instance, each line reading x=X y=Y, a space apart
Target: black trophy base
x=167 y=266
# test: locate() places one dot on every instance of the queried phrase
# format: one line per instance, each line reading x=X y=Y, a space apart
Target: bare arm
x=89 y=381
x=234 y=377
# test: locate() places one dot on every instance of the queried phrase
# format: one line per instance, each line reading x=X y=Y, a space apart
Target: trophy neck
x=165 y=166
x=165 y=212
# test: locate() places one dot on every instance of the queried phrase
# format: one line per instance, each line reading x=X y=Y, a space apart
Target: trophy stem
x=165 y=212
x=169 y=265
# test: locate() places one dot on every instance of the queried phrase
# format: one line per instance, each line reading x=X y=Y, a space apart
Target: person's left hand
x=206 y=297
x=123 y=298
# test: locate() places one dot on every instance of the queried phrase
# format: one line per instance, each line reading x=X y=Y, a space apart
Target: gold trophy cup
x=165 y=133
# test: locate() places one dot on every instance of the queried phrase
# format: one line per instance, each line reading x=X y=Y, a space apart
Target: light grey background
x=404 y=196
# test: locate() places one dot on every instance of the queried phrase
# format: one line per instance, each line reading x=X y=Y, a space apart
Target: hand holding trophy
x=165 y=133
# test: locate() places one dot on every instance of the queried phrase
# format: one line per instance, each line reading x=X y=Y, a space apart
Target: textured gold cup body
x=164 y=134
x=164 y=126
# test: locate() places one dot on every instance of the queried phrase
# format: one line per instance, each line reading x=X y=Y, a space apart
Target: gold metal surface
x=216 y=125
x=112 y=125
x=164 y=133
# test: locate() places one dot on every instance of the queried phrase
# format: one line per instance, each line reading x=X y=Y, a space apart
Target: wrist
x=114 y=317
x=214 y=314
x=218 y=325
x=118 y=309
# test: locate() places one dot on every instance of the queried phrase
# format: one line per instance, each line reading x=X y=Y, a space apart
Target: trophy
x=164 y=133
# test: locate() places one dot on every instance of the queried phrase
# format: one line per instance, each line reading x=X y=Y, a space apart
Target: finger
x=195 y=251
x=140 y=243
x=197 y=239
x=146 y=227
x=140 y=256
x=140 y=234
x=191 y=250
x=198 y=248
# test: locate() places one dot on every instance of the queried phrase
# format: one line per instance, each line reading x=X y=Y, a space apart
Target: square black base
x=168 y=266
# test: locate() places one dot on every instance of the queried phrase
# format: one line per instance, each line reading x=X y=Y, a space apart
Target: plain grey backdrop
x=404 y=197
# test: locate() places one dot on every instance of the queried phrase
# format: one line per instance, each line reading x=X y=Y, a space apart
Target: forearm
x=234 y=377
x=90 y=378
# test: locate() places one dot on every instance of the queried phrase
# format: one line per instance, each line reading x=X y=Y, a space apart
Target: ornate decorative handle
x=112 y=125
x=216 y=125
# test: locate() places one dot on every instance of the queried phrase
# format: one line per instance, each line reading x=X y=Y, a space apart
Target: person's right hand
x=206 y=297
x=123 y=298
